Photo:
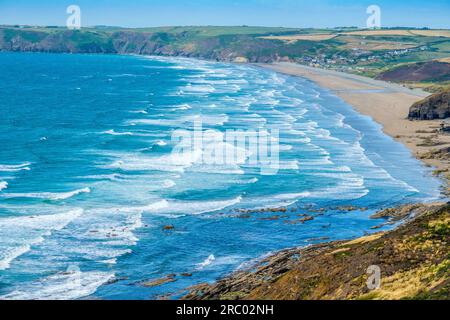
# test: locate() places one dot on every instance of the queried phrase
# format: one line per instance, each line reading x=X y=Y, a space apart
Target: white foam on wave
x=218 y=169
x=62 y=286
x=167 y=184
x=128 y=133
x=178 y=208
x=139 y=111
x=199 y=207
x=211 y=258
x=198 y=89
x=374 y=173
x=10 y=254
x=15 y=168
x=277 y=200
x=285 y=147
x=348 y=189
x=353 y=154
x=108 y=233
x=19 y=234
x=183 y=106
x=46 y=222
x=47 y=195
x=113 y=228
x=290 y=196
x=174 y=162
x=186 y=157
x=114 y=133
x=316 y=163
x=212 y=120
x=205 y=81
x=249 y=181
x=3 y=185
x=110 y=177
x=161 y=143
x=305 y=140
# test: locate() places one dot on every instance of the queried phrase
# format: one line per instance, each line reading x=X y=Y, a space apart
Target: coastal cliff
x=227 y=47
x=414 y=262
x=434 y=107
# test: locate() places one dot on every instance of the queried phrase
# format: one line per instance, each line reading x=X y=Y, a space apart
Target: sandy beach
x=387 y=103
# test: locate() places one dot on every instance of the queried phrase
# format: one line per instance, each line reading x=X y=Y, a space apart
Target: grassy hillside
x=414 y=261
x=372 y=53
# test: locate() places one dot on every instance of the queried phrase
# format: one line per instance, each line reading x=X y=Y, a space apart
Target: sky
x=283 y=13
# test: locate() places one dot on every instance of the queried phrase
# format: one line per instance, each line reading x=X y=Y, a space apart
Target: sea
x=95 y=204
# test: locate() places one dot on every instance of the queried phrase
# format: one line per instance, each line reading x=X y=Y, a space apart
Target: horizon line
x=222 y=26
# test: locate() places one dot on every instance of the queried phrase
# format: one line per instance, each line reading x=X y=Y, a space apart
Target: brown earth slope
x=414 y=261
x=416 y=72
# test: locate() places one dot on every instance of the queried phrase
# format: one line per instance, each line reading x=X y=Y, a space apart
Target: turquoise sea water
x=88 y=182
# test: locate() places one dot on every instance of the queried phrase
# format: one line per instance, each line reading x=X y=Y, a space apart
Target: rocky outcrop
x=413 y=260
x=436 y=106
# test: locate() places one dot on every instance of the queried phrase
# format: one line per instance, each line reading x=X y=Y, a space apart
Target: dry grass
x=409 y=283
x=445 y=60
x=428 y=33
x=370 y=45
x=308 y=37
x=380 y=33
x=366 y=239
x=432 y=33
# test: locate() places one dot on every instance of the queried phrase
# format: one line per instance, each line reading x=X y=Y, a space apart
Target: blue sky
x=287 y=13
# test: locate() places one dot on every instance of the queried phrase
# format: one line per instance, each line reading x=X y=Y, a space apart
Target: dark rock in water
x=400 y=213
x=273 y=218
x=186 y=274
x=168 y=228
x=115 y=280
x=436 y=106
x=157 y=282
x=302 y=220
x=306 y=219
x=318 y=239
x=243 y=216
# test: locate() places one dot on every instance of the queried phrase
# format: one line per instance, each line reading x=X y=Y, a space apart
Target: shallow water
x=88 y=180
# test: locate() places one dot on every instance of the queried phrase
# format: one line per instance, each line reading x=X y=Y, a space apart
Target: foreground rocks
x=414 y=263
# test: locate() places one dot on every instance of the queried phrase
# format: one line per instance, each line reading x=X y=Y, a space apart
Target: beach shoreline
x=304 y=273
x=386 y=103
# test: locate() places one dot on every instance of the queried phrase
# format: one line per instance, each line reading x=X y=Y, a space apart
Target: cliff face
x=220 y=48
x=436 y=106
x=66 y=41
x=413 y=259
